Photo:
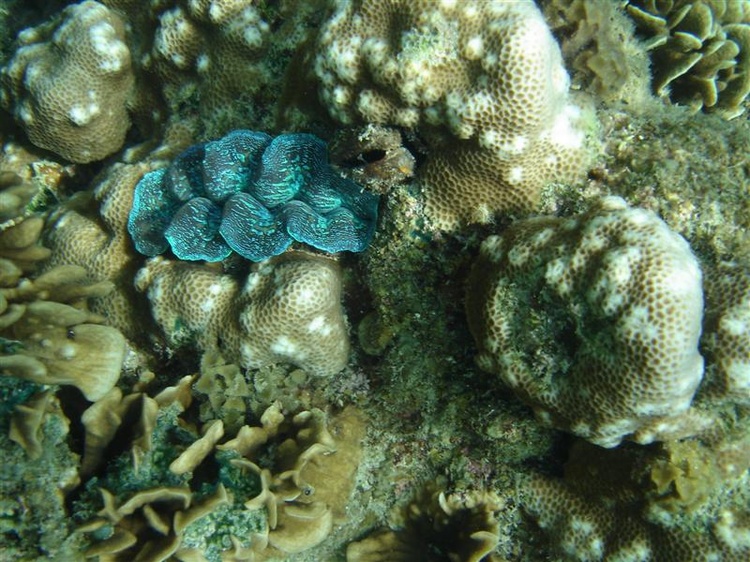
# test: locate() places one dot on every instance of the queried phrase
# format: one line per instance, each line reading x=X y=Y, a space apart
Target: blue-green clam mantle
x=252 y=194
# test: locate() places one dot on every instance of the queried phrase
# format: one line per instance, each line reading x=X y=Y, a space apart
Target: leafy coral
x=700 y=51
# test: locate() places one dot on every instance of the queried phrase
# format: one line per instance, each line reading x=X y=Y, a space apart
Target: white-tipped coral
x=288 y=311
x=594 y=321
x=482 y=82
x=69 y=83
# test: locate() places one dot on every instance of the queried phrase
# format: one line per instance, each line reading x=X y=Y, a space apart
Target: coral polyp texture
x=593 y=320
x=584 y=528
x=726 y=342
x=287 y=311
x=69 y=83
x=482 y=82
x=218 y=45
x=700 y=51
x=253 y=195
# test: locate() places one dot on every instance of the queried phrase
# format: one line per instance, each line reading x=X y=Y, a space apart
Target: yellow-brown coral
x=481 y=82
x=700 y=51
x=437 y=526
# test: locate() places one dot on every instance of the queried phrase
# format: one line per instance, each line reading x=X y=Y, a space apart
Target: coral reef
x=583 y=528
x=455 y=113
x=69 y=83
x=45 y=340
x=600 y=49
x=288 y=310
x=35 y=523
x=253 y=195
x=700 y=51
x=481 y=82
x=292 y=467
x=89 y=230
x=644 y=503
x=436 y=526
x=610 y=303
x=726 y=341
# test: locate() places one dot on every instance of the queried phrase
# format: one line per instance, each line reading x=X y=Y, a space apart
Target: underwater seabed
x=152 y=449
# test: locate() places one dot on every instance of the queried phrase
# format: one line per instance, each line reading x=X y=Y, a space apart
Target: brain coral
x=592 y=320
x=252 y=194
x=486 y=73
x=700 y=51
x=288 y=311
x=69 y=83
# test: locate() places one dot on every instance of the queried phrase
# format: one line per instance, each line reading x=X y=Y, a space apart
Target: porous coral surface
x=482 y=82
x=612 y=303
x=69 y=83
x=287 y=310
x=199 y=453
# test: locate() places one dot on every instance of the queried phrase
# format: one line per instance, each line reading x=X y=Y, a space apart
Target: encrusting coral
x=69 y=83
x=593 y=320
x=288 y=310
x=481 y=82
x=253 y=195
x=645 y=503
x=700 y=51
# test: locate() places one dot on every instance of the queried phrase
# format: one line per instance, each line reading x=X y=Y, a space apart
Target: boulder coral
x=288 y=310
x=593 y=320
x=68 y=85
x=89 y=230
x=582 y=528
x=726 y=341
x=481 y=82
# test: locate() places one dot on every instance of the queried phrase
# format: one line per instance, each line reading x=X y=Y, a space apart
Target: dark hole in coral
x=568 y=339
x=73 y=405
x=372 y=156
x=363 y=158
